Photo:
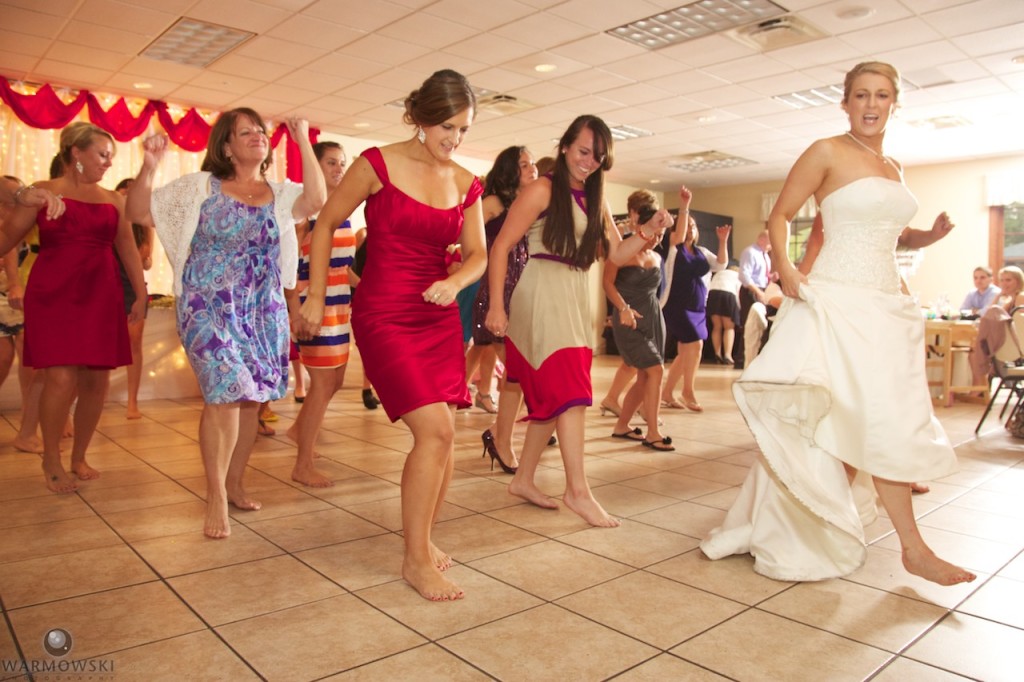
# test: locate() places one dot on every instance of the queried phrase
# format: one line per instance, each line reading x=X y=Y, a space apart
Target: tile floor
x=308 y=588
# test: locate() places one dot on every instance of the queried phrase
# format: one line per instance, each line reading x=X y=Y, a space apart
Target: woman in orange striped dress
x=325 y=355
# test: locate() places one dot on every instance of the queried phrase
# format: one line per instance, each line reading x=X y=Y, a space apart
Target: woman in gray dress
x=639 y=331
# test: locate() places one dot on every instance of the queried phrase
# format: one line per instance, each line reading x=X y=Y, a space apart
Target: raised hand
x=153 y=148
x=723 y=232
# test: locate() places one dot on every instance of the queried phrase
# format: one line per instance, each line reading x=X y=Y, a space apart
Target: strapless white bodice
x=862 y=222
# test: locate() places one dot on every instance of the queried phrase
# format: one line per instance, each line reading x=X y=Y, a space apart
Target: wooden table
x=944 y=341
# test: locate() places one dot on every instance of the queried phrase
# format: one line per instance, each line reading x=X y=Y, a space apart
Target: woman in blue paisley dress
x=229 y=234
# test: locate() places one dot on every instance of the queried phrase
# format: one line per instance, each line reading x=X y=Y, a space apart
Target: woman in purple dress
x=685 y=316
x=513 y=169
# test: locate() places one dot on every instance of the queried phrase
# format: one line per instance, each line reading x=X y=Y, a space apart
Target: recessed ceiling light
x=624 y=132
x=695 y=20
x=706 y=119
x=195 y=43
x=142 y=86
x=655 y=181
x=361 y=124
x=545 y=68
x=1019 y=59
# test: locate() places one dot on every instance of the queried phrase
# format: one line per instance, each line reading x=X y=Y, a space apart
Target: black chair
x=1008 y=367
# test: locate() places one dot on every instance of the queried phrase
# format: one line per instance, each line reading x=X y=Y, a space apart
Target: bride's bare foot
x=308 y=475
x=84 y=471
x=31 y=444
x=919 y=488
x=591 y=512
x=441 y=560
x=531 y=493
x=217 y=525
x=924 y=563
x=58 y=481
x=133 y=412
x=429 y=582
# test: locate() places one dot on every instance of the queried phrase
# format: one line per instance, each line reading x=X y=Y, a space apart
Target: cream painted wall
x=957 y=188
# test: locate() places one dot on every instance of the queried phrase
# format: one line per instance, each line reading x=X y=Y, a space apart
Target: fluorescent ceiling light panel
x=695 y=20
x=195 y=43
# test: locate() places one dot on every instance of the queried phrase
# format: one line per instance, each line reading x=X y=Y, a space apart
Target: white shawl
x=175 y=208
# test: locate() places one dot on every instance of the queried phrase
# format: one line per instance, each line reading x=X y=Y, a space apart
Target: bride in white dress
x=819 y=397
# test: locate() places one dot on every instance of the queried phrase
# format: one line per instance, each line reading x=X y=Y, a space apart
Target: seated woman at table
x=992 y=325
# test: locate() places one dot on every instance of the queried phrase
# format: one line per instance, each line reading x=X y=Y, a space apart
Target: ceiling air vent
x=502 y=104
x=773 y=34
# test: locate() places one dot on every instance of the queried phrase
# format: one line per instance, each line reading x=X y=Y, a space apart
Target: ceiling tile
x=428 y=31
x=231 y=84
x=194 y=95
x=976 y=16
x=24 y=43
x=381 y=48
x=490 y=49
x=603 y=15
x=357 y=14
x=313 y=80
x=71 y=75
x=104 y=37
x=283 y=51
x=29 y=21
x=994 y=40
x=315 y=32
x=479 y=15
x=347 y=65
x=436 y=60
x=598 y=49
x=241 y=14
x=543 y=30
x=109 y=12
x=248 y=67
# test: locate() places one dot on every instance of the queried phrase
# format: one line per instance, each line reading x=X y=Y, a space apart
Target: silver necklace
x=883 y=157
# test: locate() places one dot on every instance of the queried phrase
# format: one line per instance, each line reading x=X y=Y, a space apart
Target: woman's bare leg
x=218 y=435
x=691 y=361
x=92 y=392
x=578 y=496
x=918 y=558
x=675 y=373
x=31 y=384
x=54 y=403
x=537 y=436
x=423 y=483
x=135 y=331
x=324 y=382
x=510 y=401
x=728 y=338
x=612 y=399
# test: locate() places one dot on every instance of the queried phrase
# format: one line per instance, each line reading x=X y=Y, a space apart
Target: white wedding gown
x=842 y=379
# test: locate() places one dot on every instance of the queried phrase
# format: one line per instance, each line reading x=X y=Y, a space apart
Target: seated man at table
x=984 y=292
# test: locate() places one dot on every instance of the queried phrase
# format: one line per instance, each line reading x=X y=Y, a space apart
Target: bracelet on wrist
x=18 y=192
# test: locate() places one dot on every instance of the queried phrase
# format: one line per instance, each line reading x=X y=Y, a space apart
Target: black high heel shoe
x=369 y=399
x=491 y=449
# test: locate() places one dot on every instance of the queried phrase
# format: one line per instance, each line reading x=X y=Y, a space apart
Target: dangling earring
x=79 y=167
x=421 y=135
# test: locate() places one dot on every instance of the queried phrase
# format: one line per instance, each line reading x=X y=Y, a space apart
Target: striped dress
x=329 y=348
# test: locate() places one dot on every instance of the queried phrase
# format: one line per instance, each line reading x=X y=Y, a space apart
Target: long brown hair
x=559 y=235
x=216 y=160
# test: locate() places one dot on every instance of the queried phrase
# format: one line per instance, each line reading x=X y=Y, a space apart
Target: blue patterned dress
x=232 y=316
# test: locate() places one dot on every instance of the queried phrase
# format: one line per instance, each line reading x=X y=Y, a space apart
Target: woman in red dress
x=418 y=202
x=75 y=326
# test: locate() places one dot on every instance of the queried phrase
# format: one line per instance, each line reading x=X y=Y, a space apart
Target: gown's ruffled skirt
x=841 y=380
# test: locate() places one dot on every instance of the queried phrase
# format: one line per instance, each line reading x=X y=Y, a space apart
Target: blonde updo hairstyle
x=79 y=135
x=443 y=95
x=880 y=68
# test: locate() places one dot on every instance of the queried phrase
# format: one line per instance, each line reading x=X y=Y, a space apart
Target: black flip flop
x=665 y=443
x=634 y=435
